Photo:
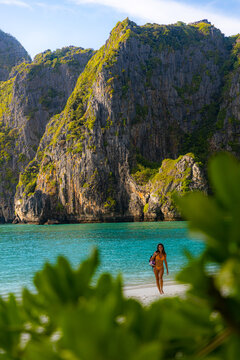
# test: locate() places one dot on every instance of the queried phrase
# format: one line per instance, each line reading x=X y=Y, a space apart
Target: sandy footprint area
x=148 y=293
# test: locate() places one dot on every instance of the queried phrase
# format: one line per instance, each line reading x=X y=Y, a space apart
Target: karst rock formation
x=114 y=134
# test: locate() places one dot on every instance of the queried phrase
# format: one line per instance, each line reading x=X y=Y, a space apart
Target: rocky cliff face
x=33 y=94
x=152 y=201
x=174 y=177
x=150 y=93
x=11 y=54
x=227 y=132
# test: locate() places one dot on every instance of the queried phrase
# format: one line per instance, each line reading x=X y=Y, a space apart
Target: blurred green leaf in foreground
x=69 y=318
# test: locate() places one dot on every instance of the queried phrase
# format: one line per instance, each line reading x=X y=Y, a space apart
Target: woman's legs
x=156 y=273
x=160 y=274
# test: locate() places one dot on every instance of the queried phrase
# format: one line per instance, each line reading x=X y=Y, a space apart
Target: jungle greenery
x=70 y=317
x=144 y=170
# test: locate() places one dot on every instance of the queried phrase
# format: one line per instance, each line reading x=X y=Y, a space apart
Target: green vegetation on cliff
x=66 y=55
x=6 y=93
x=79 y=116
x=203 y=27
x=197 y=141
x=8 y=177
x=173 y=36
x=174 y=177
x=144 y=170
x=8 y=137
x=228 y=120
x=28 y=179
x=104 y=58
x=231 y=65
x=51 y=60
x=236 y=52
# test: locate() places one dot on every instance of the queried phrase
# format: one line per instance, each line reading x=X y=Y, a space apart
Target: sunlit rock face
x=137 y=127
x=34 y=92
x=148 y=94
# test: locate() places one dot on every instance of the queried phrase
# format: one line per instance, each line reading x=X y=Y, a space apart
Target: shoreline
x=53 y=223
x=107 y=220
x=147 y=293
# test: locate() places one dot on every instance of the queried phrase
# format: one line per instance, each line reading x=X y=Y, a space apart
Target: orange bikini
x=159 y=261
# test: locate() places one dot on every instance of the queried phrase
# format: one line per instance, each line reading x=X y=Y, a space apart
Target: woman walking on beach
x=160 y=256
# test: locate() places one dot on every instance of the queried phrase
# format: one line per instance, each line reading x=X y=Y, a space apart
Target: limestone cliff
x=227 y=132
x=11 y=54
x=33 y=94
x=150 y=93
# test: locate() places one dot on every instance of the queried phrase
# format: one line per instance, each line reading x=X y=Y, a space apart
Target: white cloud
x=170 y=11
x=47 y=6
x=15 y=3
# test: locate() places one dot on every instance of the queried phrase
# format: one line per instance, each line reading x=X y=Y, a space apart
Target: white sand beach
x=148 y=293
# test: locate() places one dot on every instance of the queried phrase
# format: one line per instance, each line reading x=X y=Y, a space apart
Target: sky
x=50 y=24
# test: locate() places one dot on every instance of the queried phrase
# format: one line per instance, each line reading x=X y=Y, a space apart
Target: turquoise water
x=124 y=248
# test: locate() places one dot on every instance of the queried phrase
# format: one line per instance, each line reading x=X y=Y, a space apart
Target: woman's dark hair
x=163 y=248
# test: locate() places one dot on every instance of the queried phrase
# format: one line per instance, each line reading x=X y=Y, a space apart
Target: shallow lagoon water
x=124 y=248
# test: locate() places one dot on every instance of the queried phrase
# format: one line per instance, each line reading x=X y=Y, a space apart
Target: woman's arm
x=154 y=255
x=165 y=260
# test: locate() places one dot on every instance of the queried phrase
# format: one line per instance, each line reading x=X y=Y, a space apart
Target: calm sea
x=124 y=248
